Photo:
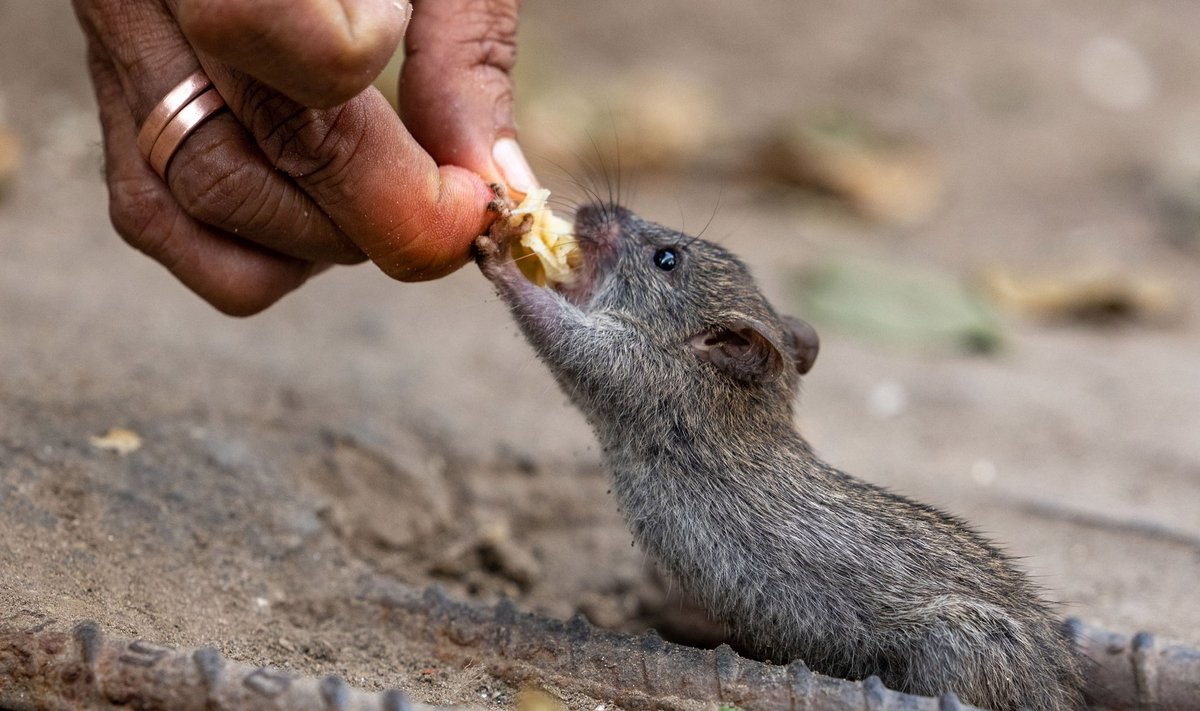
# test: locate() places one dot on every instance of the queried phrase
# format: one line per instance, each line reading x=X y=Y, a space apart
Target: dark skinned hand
x=310 y=165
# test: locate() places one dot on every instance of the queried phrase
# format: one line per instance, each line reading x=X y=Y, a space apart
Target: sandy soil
x=367 y=430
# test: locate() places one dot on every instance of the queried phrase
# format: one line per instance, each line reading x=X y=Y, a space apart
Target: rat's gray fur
x=801 y=560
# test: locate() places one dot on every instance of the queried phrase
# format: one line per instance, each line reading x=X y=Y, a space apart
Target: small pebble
x=983 y=472
x=887 y=399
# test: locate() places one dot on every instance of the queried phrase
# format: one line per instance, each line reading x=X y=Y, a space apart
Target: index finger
x=361 y=166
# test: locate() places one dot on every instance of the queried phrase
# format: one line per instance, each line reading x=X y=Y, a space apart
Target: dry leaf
x=878 y=176
x=1096 y=294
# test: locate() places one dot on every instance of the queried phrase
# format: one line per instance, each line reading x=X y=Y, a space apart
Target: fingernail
x=405 y=8
x=513 y=166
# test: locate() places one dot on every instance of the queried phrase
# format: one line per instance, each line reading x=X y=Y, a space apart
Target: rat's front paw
x=494 y=257
x=493 y=250
x=487 y=250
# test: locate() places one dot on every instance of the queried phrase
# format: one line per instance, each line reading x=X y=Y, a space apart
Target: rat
x=688 y=376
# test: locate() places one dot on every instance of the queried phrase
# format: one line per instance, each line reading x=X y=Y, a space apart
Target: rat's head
x=689 y=295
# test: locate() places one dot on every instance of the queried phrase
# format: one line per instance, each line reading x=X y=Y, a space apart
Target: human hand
x=310 y=165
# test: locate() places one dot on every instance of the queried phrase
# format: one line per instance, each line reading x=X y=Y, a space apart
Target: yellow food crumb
x=119 y=440
x=548 y=253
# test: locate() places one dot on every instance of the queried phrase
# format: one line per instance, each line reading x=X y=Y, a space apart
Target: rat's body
x=687 y=376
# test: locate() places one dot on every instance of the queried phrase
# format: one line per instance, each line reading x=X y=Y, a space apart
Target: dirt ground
x=365 y=430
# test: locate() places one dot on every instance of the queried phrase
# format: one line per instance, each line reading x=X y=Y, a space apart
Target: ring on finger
x=193 y=101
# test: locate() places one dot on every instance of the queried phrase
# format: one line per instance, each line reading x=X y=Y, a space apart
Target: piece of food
x=548 y=253
x=119 y=440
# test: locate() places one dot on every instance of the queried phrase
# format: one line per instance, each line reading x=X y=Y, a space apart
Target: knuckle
x=484 y=35
x=498 y=53
x=215 y=190
x=159 y=55
x=136 y=209
x=317 y=145
x=144 y=219
x=495 y=39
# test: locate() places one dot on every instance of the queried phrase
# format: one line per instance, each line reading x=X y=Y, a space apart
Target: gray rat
x=687 y=376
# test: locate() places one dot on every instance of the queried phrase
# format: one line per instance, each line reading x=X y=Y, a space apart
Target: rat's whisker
x=573 y=180
x=713 y=215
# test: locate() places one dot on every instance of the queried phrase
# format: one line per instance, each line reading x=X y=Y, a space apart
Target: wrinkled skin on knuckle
x=213 y=186
x=483 y=35
x=137 y=213
x=143 y=217
x=313 y=144
x=149 y=225
x=493 y=52
x=158 y=50
x=216 y=183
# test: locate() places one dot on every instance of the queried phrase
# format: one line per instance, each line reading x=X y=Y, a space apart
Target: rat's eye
x=666 y=259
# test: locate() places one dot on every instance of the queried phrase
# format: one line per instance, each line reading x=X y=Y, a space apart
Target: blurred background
x=991 y=212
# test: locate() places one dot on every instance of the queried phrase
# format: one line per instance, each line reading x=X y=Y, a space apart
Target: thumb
x=456 y=94
x=319 y=53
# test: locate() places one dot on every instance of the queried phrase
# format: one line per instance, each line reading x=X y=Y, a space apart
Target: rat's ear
x=742 y=348
x=805 y=343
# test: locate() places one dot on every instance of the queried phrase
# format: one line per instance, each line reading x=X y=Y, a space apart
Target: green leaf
x=895 y=304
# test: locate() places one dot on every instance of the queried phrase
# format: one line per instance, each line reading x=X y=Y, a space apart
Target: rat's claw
x=492 y=250
x=501 y=201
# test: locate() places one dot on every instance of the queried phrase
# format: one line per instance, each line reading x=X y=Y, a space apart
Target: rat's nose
x=600 y=222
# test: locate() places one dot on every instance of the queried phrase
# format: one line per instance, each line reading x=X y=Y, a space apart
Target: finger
x=234 y=276
x=317 y=52
x=412 y=218
x=218 y=176
x=455 y=89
